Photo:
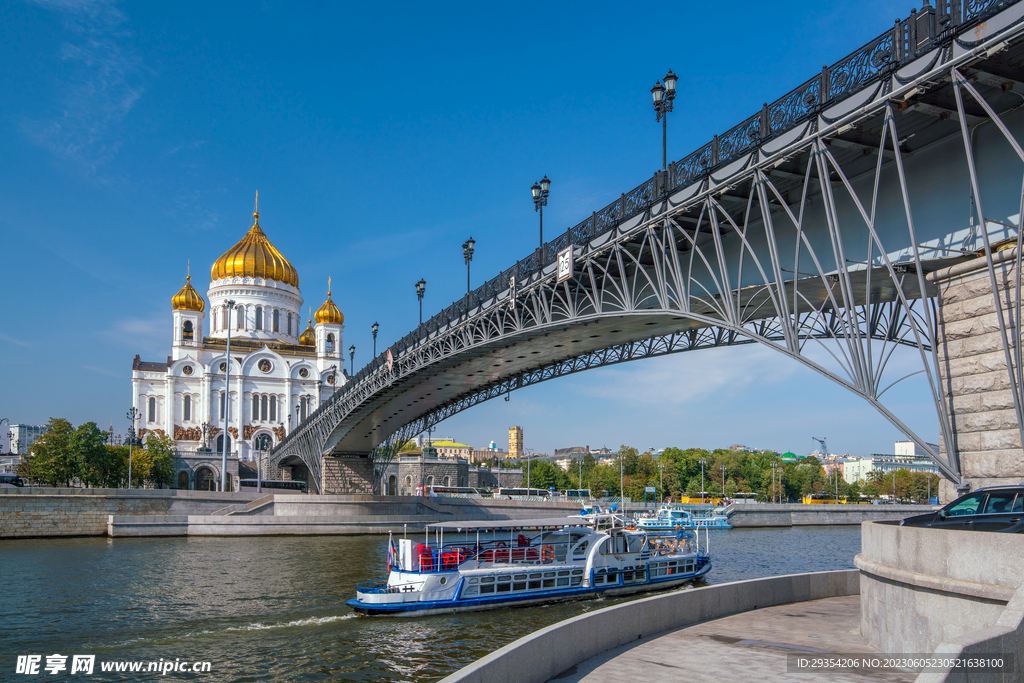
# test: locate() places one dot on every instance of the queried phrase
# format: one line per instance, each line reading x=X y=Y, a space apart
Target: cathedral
x=279 y=371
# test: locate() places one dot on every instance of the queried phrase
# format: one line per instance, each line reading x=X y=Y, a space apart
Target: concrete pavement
x=752 y=646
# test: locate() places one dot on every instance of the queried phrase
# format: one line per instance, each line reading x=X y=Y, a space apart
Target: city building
x=490 y=454
x=515 y=442
x=452 y=449
x=411 y=472
x=23 y=436
x=857 y=469
x=279 y=372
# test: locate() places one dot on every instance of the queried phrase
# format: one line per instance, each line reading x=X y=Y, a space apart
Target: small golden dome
x=187 y=298
x=308 y=337
x=254 y=256
x=329 y=313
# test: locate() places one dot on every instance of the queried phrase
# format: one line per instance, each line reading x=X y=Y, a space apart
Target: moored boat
x=492 y=564
x=671 y=517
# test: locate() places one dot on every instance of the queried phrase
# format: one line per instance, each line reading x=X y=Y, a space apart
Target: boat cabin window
x=635 y=543
x=614 y=545
x=581 y=549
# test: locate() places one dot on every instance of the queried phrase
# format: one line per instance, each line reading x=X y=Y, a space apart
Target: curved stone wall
x=544 y=654
x=924 y=587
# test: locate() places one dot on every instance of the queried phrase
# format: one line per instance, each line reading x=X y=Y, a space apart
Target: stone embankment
x=798 y=514
x=41 y=512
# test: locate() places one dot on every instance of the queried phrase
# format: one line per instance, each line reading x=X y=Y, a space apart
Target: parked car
x=998 y=508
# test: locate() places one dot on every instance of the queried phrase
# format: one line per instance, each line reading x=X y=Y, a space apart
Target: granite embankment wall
x=36 y=512
x=544 y=654
x=41 y=512
x=937 y=590
x=798 y=514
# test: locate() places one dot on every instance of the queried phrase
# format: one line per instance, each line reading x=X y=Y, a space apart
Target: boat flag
x=392 y=553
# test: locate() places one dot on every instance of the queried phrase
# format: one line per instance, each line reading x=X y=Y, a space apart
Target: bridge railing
x=922 y=31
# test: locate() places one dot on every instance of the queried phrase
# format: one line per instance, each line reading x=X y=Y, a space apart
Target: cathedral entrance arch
x=183 y=480
x=206 y=480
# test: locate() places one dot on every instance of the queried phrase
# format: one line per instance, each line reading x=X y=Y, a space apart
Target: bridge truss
x=805 y=238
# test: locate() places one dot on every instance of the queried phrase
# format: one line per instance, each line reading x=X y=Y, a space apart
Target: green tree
x=161 y=451
x=89 y=444
x=544 y=475
x=53 y=457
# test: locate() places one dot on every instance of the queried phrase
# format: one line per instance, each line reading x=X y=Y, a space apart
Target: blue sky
x=135 y=135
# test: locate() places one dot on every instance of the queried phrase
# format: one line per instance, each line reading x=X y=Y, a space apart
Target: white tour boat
x=491 y=564
x=671 y=517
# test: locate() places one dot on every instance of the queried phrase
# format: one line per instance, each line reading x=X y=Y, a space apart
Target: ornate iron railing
x=923 y=30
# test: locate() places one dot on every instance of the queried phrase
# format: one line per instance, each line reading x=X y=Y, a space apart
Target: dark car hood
x=921 y=520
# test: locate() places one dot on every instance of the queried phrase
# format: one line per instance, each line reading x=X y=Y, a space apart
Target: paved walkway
x=749 y=647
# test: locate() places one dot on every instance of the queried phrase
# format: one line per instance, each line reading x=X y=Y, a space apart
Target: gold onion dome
x=329 y=313
x=308 y=337
x=254 y=256
x=187 y=298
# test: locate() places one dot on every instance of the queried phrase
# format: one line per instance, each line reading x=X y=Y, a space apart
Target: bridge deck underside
x=445 y=381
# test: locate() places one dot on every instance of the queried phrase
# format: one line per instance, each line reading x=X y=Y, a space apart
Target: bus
x=580 y=494
x=522 y=494
x=277 y=485
x=454 y=491
x=11 y=481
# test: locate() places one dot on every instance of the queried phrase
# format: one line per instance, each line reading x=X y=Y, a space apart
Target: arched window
x=277 y=319
x=263 y=408
x=290 y=323
x=330 y=343
x=303 y=406
x=152 y=410
x=392 y=485
x=187 y=412
x=446 y=480
x=220 y=443
x=240 y=316
x=430 y=481
x=183 y=480
x=222 y=406
x=273 y=408
x=259 y=317
x=186 y=331
x=255 y=408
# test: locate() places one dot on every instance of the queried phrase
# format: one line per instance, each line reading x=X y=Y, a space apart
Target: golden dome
x=187 y=298
x=308 y=337
x=254 y=256
x=329 y=313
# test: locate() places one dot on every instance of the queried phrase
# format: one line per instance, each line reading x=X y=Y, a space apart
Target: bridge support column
x=978 y=389
x=348 y=474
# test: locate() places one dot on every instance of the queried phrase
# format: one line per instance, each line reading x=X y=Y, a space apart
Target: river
x=272 y=608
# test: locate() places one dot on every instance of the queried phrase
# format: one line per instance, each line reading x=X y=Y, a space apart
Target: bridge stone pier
x=973 y=367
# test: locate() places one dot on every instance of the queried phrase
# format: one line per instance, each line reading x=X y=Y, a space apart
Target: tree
x=53 y=457
x=544 y=475
x=161 y=451
x=96 y=465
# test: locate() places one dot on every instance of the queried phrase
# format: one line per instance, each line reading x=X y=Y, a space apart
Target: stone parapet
x=923 y=587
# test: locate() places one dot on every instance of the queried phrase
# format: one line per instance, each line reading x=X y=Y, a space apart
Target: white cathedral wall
x=248 y=295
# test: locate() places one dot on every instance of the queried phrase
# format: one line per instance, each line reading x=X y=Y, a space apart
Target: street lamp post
x=132 y=415
x=352 y=359
x=661 y=487
x=540 y=200
x=467 y=253
x=227 y=400
x=259 y=467
x=723 y=481
x=373 y=328
x=529 y=457
x=334 y=375
x=702 y=463
x=421 y=287
x=663 y=96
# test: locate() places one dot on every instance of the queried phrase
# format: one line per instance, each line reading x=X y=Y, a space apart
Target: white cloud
x=150 y=337
x=13 y=340
x=100 y=87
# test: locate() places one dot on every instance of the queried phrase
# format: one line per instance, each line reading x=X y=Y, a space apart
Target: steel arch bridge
x=809 y=228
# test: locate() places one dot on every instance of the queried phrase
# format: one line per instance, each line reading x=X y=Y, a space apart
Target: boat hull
x=425 y=608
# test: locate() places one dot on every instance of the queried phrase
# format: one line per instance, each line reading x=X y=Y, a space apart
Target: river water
x=272 y=608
